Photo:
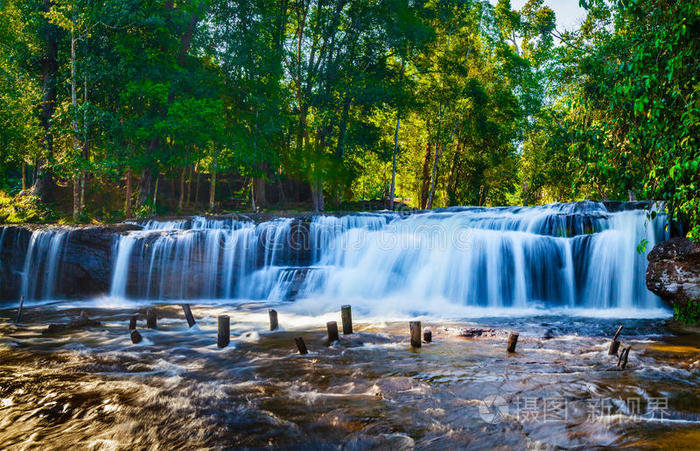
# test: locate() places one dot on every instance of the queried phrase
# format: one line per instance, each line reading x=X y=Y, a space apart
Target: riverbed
x=92 y=388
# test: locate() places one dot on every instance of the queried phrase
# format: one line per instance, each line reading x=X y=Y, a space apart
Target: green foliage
x=24 y=208
x=493 y=105
x=688 y=313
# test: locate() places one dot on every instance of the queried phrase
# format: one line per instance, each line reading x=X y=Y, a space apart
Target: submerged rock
x=673 y=273
x=82 y=321
x=476 y=332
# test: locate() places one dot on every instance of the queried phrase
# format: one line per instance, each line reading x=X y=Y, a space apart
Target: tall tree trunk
x=426 y=176
x=189 y=184
x=253 y=207
x=43 y=179
x=127 y=197
x=155 y=191
x=24 y=175
x=260 y=192
x=182 y=188
x=212 y=186
x=74 y=122
x=396 y=144
x=196 y=184
x=86 y=148
x=145 y=187
x=317 y=195
x=393 y=161
x=433 y=178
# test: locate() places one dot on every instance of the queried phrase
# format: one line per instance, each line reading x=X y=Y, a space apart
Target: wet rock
x=472 y=332
x=383 y=441
x=82 y=321
x=673 y=273
x=13 y=248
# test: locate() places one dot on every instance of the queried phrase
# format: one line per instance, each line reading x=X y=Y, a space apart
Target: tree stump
x=301 y=345
x=614 y=346
x=188 y=314
x=223 y=337
x=332 y=327
x=132 y=322
x=346 y=315
x=622 y=360
x=19 y=310
x=512 y=341
x=427 y=336
x=273 y=319
x=617 y=334
x=415 y=333
x=151 y=319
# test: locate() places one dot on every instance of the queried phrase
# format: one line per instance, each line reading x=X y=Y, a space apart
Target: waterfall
x=571 y=255
x=42 y=263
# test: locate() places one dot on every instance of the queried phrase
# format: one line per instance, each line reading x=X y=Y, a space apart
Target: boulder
x=673 y=273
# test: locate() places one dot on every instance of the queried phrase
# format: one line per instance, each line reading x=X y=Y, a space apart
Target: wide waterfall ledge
x=587 y=257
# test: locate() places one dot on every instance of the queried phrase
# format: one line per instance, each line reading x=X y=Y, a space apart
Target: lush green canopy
x=129 y=107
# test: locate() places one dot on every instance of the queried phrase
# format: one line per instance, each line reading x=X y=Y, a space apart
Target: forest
x=121 y=109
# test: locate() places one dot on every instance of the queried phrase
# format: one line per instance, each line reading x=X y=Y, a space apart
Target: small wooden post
x=136 y=336
x=415 y=333
x=332 y=327
x=614 y=346
x=301 y=345
x=224 y=336
x=132 y=322
x=617 y=334
x=188 y=314
x=273 y=319
x=512 y=341
x=615 y=343
x=346 y=315
x=151 y=319
x=624 y=355
x=19 y=310
x=427 y=336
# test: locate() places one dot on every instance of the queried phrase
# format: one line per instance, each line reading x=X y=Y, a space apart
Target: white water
x=561 y=256
x=42 y=263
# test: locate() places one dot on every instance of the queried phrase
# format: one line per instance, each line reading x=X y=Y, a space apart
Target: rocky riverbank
x=673 y=273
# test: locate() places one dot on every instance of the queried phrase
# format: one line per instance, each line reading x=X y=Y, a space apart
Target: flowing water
x=564 y=276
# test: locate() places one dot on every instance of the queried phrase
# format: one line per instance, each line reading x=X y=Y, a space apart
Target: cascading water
x=42 y=263
x=566 y=255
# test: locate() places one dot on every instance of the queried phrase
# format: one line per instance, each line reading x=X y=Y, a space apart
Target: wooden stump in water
x=188 y=314
x=346 y=315
x=151 y=319
x=512 y=341
x=614 y=346
x=136 y=337
x=301 y=345
x=617 y=334
x=132 y=322
x=427 y=336
x=415 y=333
x=624 y=355
x=223 y=338
x=332 y=327
x=273 y=319
x=19 y=310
